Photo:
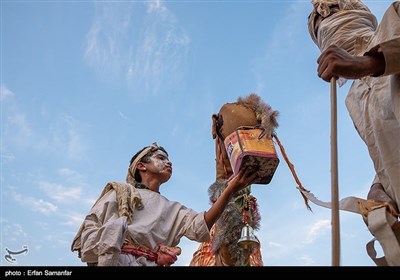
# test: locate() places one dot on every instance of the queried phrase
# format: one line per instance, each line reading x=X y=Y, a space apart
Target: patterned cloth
x=205 y=257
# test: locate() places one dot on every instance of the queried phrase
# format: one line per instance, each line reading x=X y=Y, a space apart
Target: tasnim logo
x=9 y=256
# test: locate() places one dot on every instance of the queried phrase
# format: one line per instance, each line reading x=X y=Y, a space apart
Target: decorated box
x=245 y=147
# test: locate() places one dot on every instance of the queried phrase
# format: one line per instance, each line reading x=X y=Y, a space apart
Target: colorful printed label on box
x=244 y=148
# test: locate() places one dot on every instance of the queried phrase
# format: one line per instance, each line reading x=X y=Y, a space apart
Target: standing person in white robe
x=353 y=46
x=132 y=224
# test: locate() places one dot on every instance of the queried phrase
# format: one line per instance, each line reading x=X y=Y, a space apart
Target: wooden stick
x=334 y=179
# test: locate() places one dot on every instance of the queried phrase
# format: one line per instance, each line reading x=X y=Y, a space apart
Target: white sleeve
x=104 y=232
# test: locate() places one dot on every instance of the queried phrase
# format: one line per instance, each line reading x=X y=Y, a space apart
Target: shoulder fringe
x=128 y=199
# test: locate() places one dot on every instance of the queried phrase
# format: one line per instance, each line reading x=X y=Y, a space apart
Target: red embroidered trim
x=138 y=251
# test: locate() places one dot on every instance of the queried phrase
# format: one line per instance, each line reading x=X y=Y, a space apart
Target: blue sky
x=86 y=84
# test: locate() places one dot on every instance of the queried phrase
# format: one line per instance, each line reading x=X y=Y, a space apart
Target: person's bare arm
x=244 y=178
x=336 y=62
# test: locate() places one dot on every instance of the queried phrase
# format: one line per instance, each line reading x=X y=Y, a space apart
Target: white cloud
x=148 y=54
x=69 y=173
x=108 y=37
x=66 y=133
x=307 y=260
x=159 y=60
x=317 y=229
x=155 y=6
x=38 y=247
x=122 y=115
x=19 y=123
x=5 y=92
x=274 y=244
x=56 y=240
x=74 y=219
x=75 y=145
x=12 y=231
x=60 y=193
x=6 y=155
x=34 y=204
x=16 y=126
x=291 y=24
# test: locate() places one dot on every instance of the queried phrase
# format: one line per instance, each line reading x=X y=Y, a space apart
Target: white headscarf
x=130 y=177
x=342 y=28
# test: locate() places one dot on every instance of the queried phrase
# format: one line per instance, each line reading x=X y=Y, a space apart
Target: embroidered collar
x=143 y=186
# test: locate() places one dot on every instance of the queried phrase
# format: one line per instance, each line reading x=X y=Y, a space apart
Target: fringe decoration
x=266 y=116
x=127 y=196
x=229 y=225
x=128 y=200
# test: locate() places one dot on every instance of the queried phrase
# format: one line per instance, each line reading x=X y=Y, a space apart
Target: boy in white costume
x=132 y=224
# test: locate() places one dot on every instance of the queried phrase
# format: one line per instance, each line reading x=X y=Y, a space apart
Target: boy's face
x=160 y=165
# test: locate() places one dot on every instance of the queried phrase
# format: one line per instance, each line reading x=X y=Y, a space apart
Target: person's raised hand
x=337 y=62
x=245 y=177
